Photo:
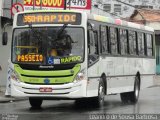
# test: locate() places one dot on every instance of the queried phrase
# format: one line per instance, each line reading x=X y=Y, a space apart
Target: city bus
x=65 y=54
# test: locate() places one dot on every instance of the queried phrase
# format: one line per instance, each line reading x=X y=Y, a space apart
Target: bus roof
x=119 y=22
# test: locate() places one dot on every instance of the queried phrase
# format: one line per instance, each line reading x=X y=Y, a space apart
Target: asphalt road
x=149 y=103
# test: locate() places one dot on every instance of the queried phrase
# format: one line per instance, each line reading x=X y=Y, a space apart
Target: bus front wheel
x=99 y=100
x=35 y=103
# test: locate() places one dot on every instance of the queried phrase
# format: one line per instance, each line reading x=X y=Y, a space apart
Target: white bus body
x=118 y=71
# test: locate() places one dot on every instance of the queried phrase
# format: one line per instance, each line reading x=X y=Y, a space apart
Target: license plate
x=45 y=89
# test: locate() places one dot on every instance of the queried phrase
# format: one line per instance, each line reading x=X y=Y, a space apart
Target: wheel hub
x=136 y=90
x=101 y=93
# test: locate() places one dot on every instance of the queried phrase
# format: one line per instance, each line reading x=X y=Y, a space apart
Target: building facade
x=150 y=18
x=124 y=8
x=0 y=39
x=5 y=17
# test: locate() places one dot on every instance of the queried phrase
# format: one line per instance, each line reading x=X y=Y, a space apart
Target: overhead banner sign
x=56 y=4
x=49 y=18
x=46 y=4
x=79 y=4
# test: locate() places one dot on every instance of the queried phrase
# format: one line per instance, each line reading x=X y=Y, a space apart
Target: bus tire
x=99 y=100
x=124 y=97
x=35 y=103
x=135 y=94
x=80 y=102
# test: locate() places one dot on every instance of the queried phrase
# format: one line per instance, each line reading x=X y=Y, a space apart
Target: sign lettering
x=71 y=59
x=45 y=3
x=49 y=18
x=29 y=58
x=56 y=4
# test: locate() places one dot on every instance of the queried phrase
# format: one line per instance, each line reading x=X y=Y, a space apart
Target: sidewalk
x=157 y=80
x=5 y=99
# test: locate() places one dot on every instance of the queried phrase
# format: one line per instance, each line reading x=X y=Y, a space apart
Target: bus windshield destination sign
x=49 y=18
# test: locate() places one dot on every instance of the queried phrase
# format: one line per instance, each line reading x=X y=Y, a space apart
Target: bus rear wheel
x=124 y=97
x=134 y=95
x=35 y=102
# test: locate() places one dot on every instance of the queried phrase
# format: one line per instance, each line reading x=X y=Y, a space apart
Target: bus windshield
x=48 y=45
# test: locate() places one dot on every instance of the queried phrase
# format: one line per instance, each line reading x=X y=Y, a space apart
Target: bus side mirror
x=4 y=38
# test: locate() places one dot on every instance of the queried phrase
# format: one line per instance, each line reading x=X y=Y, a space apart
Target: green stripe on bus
x=33 y=76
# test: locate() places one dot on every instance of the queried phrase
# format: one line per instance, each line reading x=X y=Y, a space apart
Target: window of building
x=151 y=7
x=132 y=42
x=143 y=6
x=141 y=43
x=104 y=39
x=113 y=40
x=117 y=8
x=149 y=42
x=123 y=41
x=107 y=7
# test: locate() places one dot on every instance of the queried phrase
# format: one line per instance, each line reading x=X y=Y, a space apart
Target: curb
x=154 y=86
x=10 y=99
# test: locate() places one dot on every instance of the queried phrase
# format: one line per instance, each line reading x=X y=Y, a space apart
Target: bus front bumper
x=69 y=91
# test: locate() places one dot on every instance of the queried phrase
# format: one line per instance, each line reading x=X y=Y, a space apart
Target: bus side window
x=132 y=42
x=114 y=40
x=141 y=44
x=92 y=46
x=104 y=39
x=96 y=42
x=92 y=42
x=149 y=42
x=123 y=41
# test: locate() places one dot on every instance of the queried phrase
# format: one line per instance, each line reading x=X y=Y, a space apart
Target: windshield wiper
x=30 y=26
x=36 y=33
x=60 y=31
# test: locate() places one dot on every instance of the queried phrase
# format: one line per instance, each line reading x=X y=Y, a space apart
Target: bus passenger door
x=157 y=59
x=93 y=64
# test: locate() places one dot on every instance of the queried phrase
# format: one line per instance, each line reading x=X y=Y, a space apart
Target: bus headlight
x=14 y=76
x=80 y=76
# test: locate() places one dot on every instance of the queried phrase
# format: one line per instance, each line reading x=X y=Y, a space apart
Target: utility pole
x=69 y=4
x=41 y=5
x=33 y=4
x=11 y=7
x=65 y=4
